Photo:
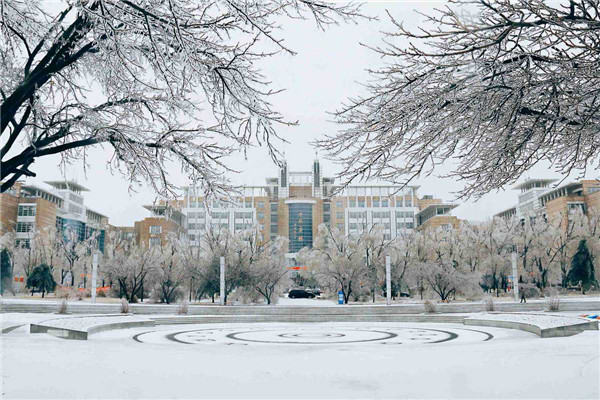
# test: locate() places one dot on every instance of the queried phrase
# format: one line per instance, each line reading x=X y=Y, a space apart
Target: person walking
x=523 y=299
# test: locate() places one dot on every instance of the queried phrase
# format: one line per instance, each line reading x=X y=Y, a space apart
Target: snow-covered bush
x=62 y=307
x=489 y=304
x=183 y=307
x=553 y=303
x=530 y=290
x=430 y=306
x=124 y=306
x=63 y=292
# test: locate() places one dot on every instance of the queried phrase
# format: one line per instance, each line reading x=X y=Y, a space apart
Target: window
x=408 y=201
x=27 y=211
x=274 y=217
x=593 y=189
x=339 y=215
x=25 y=226
x=192 y=238
x=75 y=209
x=338 y=204
x=24 y=243
x=384 y=203
x=326 y=217
x=261 y=215
x=326 y=207
x=274 y=207
x=375 y=203
x=340 y=227
x=361 y=203
x=352 y=203
x=155 y=229
x=155 y=241
x=261 y=204
x=274 y=228
x=248 y=204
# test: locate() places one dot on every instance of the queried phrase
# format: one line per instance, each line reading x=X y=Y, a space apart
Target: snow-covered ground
x=513 y=364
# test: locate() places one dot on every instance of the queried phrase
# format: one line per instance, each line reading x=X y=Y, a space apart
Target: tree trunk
x=43 y=292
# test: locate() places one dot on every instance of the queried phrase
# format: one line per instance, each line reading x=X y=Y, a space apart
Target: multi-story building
x=154 y=230
x=27 y=208
x=537 y=197
x=294 y=204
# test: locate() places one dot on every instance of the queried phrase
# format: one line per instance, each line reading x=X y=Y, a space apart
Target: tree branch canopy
x=180 y=74
x=492 y=86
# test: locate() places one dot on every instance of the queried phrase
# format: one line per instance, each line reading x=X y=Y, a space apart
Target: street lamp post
x=222 y=283
x=94 y=275
x=388 y=279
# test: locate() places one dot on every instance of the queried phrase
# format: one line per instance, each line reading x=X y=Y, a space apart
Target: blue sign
x=340 y=297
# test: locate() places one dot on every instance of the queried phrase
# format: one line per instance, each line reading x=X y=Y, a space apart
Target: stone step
x=216 y=319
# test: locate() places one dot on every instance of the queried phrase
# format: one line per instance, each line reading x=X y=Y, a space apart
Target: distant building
x=154 y=230
x=25 y=208
x=537 y=197
x=293 y=205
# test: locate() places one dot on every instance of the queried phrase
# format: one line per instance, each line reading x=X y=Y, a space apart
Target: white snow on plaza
x=275 y=360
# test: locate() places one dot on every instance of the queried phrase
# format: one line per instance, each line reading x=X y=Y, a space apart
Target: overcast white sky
x=324 y=73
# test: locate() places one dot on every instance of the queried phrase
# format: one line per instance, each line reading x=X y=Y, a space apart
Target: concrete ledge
x=544 y=326
x=12 y=306
x=223 y=319
x=79 y=328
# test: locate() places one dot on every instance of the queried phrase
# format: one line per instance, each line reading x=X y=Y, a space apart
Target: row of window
x=25 y=226
x=26 y=211
x=243 y=215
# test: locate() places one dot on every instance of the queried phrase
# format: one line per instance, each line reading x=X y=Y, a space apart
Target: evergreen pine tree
x=6 y=272
x=41 y=280
x=582 y=268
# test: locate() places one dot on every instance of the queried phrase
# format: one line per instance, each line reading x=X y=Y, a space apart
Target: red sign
x=297 y=268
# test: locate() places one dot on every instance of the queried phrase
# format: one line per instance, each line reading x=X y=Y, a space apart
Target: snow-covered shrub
x=124 y=306
x=430 y=306
x=62 y=307
x=553 y=303
x=183 y=307
x=489 y=304
x=530 y=290
x=63 y=292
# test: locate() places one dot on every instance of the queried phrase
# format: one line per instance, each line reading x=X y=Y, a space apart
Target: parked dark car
x=300 y=294
x=316 y=291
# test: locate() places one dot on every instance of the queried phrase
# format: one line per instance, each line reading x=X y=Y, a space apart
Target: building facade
x=28 y=208
x=538 y=197
x=294 y=203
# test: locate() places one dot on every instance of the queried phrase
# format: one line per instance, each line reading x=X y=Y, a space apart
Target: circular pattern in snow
x=312 y=335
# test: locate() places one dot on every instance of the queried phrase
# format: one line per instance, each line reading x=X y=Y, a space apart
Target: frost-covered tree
x=130 y=266
x=170 y=274
x=494 y=86
x=337 y=260
x=154 y=81
x=498 y=240
x=268 y=273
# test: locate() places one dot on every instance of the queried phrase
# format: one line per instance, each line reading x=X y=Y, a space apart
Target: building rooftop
x=531 y=182
x=432 y=207
x=69 y=185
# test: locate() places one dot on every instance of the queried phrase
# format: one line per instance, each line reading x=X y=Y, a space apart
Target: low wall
x=381 y=309
x=80 y=328
x=526 y=322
